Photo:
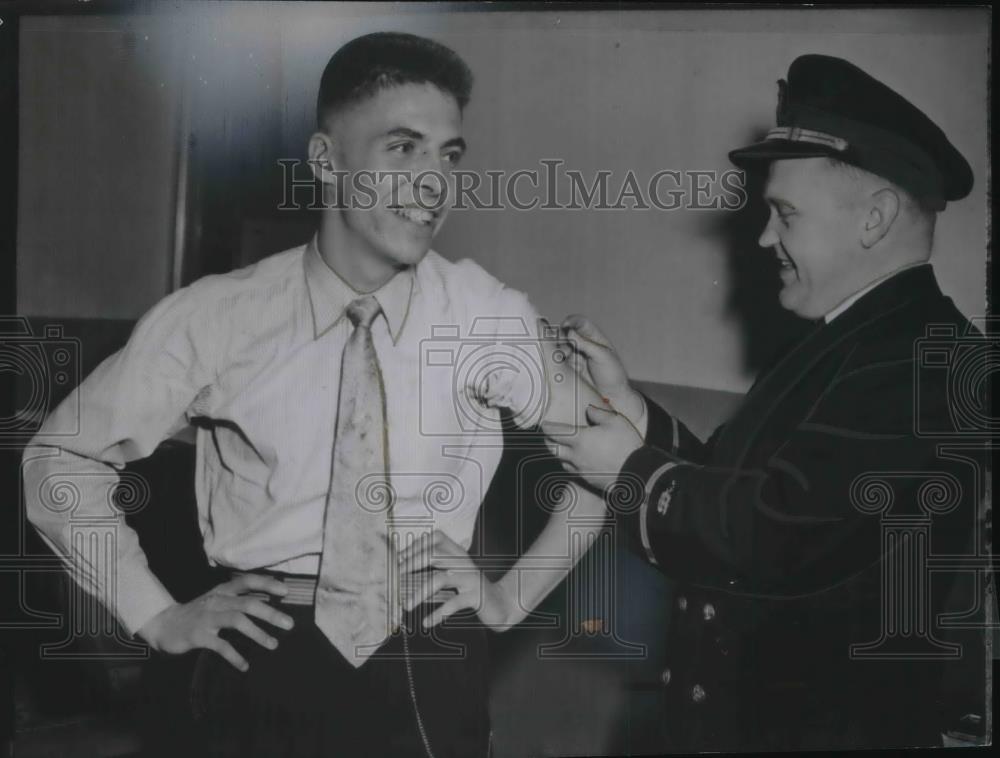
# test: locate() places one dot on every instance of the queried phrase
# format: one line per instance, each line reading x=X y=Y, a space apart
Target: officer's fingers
x=579 y=363
x=552 y=447
x=255 y=583
x=239 y=621
x=598 y=416
x=581 y=346
x=569 y=457
x=570 y=465
x=586 y=333
x=577 y=322
x=228 y=652
x=559 y=433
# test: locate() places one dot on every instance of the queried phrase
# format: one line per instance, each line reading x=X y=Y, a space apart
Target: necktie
x=352 y=595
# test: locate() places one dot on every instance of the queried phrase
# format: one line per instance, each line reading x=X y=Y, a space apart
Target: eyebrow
x=456 y=142
x=403 y=131
x=775 y=200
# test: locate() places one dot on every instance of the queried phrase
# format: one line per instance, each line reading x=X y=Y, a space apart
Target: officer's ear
x=881 y=213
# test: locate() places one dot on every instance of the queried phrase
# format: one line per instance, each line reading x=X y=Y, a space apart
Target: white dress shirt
x=256 y=353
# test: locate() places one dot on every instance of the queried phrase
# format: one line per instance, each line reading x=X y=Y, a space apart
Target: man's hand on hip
x=186 y=626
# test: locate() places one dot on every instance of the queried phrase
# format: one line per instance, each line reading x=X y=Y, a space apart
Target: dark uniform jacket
x=824 y=516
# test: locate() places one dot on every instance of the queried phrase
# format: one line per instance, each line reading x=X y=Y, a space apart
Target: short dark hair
x=373 y=62
x=918 y=205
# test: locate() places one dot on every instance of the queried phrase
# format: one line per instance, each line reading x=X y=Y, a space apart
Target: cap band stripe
x=798 y=134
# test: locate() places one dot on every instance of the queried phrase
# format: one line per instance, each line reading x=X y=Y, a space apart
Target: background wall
x=685 y=295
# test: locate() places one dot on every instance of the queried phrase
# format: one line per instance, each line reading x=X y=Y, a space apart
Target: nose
x=429 y=179
x=768 y=237
x=427 y=162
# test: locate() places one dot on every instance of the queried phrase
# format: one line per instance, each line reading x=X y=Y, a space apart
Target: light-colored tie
x=355 y=575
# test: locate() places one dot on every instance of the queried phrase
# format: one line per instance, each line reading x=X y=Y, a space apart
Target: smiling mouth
x=784 y=262
x=415 y=215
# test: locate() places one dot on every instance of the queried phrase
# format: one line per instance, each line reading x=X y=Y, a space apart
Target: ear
x=321 y=157
x=883 y=208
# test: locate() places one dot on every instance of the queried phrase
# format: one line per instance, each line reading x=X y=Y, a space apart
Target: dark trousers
x=305 y=699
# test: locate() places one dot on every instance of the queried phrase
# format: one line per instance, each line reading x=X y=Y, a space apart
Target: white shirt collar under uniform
x=845 y=304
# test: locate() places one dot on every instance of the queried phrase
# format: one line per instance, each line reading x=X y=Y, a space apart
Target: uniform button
x=665 y=676
x=698 y=694
x=682 y=603
x=708 y=611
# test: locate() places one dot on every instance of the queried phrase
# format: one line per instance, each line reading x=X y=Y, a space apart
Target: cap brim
x=777 y=149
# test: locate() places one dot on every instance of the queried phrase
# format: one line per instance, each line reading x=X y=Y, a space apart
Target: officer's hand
x=598 y=452
x=186 y=626
x=452 y=568
x=602 y=363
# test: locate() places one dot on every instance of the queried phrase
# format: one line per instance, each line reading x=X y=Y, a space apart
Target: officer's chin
x=793 y=297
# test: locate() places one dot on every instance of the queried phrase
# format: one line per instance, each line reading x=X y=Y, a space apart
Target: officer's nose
x=768 y=237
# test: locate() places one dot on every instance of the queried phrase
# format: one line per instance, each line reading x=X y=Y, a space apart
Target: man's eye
x=783 y=216
x=452 y=158
x=404 y=148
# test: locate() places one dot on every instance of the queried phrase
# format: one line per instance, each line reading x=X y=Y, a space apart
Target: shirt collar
x=329 y=295
x=847 y=303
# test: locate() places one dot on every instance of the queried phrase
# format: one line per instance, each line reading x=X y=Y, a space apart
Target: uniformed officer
x=791 y=529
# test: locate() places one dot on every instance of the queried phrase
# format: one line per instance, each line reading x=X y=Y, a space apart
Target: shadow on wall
x=766 y=328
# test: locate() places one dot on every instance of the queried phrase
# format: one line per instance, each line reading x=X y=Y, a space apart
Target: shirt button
x=682 y=603
x=708 y=611
x=722 y=645
x=665 y=677
x=698 y=694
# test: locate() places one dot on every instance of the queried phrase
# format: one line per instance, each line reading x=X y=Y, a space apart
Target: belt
x=302 y=588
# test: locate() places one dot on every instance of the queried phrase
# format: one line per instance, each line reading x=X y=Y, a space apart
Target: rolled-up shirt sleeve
x=532 y=378
x=128 y=405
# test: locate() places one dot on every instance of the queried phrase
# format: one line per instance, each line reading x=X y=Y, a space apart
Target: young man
x=317 y=639
x=801 y=533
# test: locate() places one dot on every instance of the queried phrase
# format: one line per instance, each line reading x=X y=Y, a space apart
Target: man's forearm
x=69 y=500
x=552 y=555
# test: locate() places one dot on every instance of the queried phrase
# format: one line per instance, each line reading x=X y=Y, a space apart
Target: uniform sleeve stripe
x=644 y=508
